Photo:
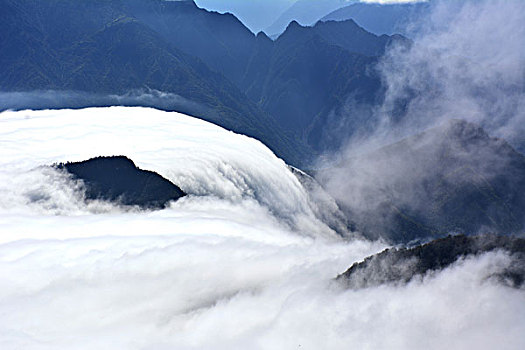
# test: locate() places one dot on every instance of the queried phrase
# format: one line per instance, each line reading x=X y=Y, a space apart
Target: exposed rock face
x=117 y=179
x=401 y=265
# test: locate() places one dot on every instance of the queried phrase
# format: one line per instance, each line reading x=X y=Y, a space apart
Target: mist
x=466 y=62
x=45 y=99
x=242 y=261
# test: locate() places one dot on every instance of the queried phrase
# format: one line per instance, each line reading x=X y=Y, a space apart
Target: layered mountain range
x=306 y=12
x=381 y=18
x=100 y=47
x=281 y=92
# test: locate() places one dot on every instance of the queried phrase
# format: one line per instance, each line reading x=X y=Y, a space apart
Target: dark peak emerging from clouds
x=117 y=179
x=401 y=265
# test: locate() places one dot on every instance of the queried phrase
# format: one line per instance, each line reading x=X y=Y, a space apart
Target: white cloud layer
x=240 y=263
x=203 y=159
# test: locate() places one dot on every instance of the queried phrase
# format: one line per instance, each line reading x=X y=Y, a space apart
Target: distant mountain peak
x=262 y=36
x=295 y=29
x=349 y=22
x=294 y=24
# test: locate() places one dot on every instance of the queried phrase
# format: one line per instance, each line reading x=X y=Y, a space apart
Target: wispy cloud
x=467 y=61
x=46 y=99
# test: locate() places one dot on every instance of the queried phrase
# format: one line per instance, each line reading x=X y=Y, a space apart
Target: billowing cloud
x=241 y=262
x=203 y=159
x=467 y=61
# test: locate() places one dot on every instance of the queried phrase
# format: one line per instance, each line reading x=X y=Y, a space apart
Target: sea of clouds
x=242 y=262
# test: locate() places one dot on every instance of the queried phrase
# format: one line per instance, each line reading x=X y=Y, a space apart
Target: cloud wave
x=241 y=262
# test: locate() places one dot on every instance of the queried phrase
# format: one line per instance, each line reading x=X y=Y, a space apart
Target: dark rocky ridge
x=403 y=264
x=293 y=94
x=117 y=179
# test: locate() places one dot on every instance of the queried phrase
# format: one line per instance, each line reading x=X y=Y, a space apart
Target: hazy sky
x=255 y=14
x=260 y=14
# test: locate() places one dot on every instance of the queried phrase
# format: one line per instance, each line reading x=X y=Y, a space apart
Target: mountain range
x=382 y=18
x=99 y=47
x=254 y=14
x=244 y=82
x=306 y=12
